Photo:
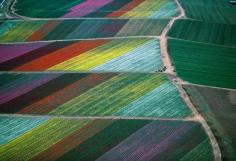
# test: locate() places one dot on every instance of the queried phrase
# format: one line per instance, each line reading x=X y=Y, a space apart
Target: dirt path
x=163 y=41
x=179 y=82
x=198 y=117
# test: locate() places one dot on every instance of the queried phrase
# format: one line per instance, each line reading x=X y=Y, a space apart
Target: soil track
x=170 y=69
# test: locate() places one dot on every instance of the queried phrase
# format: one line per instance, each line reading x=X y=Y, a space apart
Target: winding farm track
x=163 y=41
x=169 y=69
x=198 y=117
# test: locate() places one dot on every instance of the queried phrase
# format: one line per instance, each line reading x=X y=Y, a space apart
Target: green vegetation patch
x=204 y=63
x=45 y=8
x=81 y=94
x=218 y=106
x=212 y=33
x=36 y=30
x=220 y=11
x=102 y=139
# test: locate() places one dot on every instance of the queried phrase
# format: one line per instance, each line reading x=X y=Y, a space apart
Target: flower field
x=36 y=30
x=91 y=95
x=117 y=80
x=71 y=139
x=94 y=9
x=111 y=55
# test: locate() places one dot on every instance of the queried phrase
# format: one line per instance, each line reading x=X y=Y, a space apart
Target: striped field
x=38 y=30
x=212 y=33
x=140 y=95
x=94 y=9
x=204 y=64
x=218 y=106
x=72 y=139
x=111 y=55
x=84 y=80
x=219 y=11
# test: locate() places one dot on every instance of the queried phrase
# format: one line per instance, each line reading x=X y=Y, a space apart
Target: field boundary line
x=98 y=117
x=77 y=72
x=79 y=18
x=205 y=86
x=103 y=38
x=198 y=42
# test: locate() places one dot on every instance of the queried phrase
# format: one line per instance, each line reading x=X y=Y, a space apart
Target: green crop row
x=212 y=33
x=220 y=11
x=203 y=63
x=218 y=107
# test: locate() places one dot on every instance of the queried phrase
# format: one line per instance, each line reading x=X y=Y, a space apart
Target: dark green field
x=96 y=8
x=36 y=30
x=220 y=11
x=205 y=64
x=213 y=33
x=219 y=109
x=39 y=9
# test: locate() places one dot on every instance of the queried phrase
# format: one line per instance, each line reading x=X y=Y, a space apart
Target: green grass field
x=218 y=106
x=205 y=64
x=212 y=33
x=220 y=11
x=96 y=9
x=80 y=94
x=104 y=139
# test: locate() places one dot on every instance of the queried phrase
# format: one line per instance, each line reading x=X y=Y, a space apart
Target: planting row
x=73 y=139
x=212 y=33
x=82 y=94
x=111 y=55
x=20 y=31
x=92 y=9
x=205 y=64
x=219 y=11
x=218 y=106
